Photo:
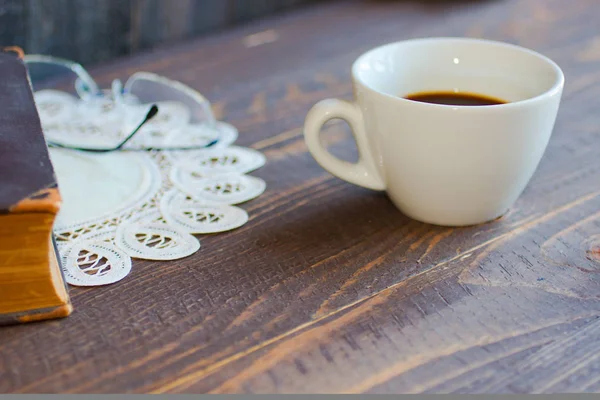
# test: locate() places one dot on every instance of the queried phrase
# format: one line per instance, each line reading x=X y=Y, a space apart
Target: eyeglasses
x=141 y=89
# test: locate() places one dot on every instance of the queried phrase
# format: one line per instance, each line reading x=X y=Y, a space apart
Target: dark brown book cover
x=31 y=281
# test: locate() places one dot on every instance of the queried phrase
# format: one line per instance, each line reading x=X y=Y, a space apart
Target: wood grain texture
x=329 y=288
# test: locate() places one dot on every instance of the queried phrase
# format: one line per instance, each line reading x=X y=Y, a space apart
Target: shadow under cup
x=456 y=165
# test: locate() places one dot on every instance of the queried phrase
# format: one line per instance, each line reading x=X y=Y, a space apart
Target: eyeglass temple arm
x=151 y=114
x=90 y=85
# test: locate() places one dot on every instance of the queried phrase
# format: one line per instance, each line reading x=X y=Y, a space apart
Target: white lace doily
x=141 y=204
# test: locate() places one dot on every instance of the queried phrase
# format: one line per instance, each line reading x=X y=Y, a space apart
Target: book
x=32 y=286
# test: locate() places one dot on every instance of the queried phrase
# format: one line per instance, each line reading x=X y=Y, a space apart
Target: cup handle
x=364 y=172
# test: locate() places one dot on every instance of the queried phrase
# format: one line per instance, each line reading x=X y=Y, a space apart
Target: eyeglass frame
x=85 y=86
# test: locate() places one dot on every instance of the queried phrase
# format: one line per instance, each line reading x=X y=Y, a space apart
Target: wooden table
x=329 y=288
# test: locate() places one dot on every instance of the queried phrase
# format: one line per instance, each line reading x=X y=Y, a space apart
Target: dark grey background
x=90 y=31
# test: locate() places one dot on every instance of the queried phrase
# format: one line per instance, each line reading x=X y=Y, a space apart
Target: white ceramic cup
x=444 y=164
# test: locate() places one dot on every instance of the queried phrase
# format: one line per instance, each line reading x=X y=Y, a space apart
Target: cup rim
x=554 y=89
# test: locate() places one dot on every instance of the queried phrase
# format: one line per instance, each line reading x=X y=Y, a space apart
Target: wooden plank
x=76 y=30
x=155 y=21
x=329 y=288
x=13 y=15
x=98 y=30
